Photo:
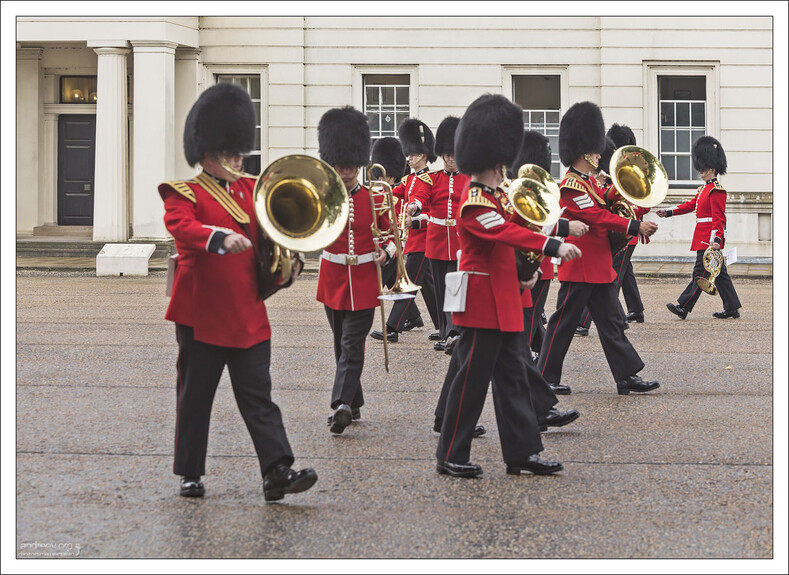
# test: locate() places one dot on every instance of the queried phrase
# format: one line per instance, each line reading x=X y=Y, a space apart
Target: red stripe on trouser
x=619 y=273
x=462 y=393
x=178 y=396
x=412 y=300
x=550 y=345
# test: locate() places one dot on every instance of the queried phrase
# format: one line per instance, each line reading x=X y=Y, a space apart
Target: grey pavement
x=684 y=472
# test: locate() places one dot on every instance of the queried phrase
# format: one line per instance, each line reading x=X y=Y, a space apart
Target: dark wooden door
x=76 y=164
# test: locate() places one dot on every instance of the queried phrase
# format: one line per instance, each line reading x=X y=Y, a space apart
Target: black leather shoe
x=637 y=317
x=391 y=336
x=341 y=418
x=440 y=345
x=543 y=319
x=479 y=430
x=281 y=480
x=409 y=325
x=636 y=384
x=459 y=469
x=556 y=418
x=356 y=413
x=192 y=487
x=536 y=465
x=726 y=314
x=581 y=330
x=449 y=345
x=626 y=326
x=435 y=336
x=559 y=389
x=679 y=311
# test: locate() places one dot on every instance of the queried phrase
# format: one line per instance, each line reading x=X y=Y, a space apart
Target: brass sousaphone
x=639 y=179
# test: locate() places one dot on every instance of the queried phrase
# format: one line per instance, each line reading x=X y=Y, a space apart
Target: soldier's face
x=348 y=175
x=417 y=161
x=449 y=162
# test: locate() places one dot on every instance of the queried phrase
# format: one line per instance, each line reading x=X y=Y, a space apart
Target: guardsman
x=418 y=145
x=220 y=318
x=709 y=203
x=347 y=278
x=487 y=291
x=589 y=281
x=440 y=200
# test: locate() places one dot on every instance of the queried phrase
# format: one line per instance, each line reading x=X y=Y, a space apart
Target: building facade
x=101 y=102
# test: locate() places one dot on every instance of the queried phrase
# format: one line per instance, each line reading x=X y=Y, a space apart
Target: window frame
x=359 y=72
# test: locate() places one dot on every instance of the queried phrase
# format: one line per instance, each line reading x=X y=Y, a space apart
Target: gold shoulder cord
x=220 y=195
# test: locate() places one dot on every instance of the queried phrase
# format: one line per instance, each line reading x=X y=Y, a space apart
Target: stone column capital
x=154 y=46
x=111 y=51
x=29 y=53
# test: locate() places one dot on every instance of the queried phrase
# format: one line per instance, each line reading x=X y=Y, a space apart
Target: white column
x=110 y=215
x=28 y=125
x=154 y=135
x=48 y=178
x=187 y=90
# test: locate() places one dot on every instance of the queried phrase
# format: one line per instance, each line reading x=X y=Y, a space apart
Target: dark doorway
x=76 y=164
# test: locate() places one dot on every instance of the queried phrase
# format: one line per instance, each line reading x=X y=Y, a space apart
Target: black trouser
x=723 y=282
x=535 y=329
x=441 y=268
x=350 y=329
x=623 y=360
x=200 y=367
x=418 y=270
x=618 y=259
x=482 y=355
x=627 y=280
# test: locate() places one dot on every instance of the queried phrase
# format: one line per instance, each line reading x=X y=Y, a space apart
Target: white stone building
x=670 y=79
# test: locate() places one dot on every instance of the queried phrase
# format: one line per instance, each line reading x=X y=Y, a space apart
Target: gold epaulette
x=701 y=187
x=426 y=178
x=404 y=180
x=718 y=186
x=578 y=185
x=183 y=189
x=476 y=198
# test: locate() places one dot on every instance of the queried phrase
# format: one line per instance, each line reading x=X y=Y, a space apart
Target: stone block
x=124 y=259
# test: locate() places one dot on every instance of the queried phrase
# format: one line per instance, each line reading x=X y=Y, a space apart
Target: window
x=78 y=89
x=682 y=104
x=250 y=83
x=386 y=102
x=540 y=98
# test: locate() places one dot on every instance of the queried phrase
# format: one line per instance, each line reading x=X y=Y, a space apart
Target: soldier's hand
x=236 y=243
x=530 y=284
x=578 y=228
x=411 y=209
x=715 y=245
x=380 y=256
x=661 y=213
x=647 y=228
x=569 y=252
x=407 y=220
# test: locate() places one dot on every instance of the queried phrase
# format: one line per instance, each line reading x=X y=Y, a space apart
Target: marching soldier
x=441 y=244
x=590 y=280
x=220 y=318
x=418 y=145
x=347 y=278
x=709 y=203
x=488 y=137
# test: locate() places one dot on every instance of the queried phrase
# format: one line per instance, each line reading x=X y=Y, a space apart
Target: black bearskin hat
x=344 y=137
x=445 y=136
x=221 y=120
x=489 y=134
x=708 y=153
x=416 y=138
x=581 y=131
x=605 y=157
x=388 y=153
x=621 y=135
x=535 y=149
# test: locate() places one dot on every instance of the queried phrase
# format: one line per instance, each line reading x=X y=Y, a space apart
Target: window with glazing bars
x=683 y=120
x=386 y=102
x=251 y=84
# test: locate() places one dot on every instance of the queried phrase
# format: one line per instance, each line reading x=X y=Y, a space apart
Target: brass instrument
x=639 y=179
x=532 y=198
x=713 y=263
x=301 y=205
x=403 y=287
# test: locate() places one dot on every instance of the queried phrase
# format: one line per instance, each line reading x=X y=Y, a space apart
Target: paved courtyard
x=685 y=472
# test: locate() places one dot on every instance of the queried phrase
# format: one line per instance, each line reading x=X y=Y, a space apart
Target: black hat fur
x=445 y=136
x=221 y=120
x=489 y=134
x=605 y=157
x=344 y=137
x=535 y=149
x=388 y=153
x=416 y=138
x=581 y=131
x=708 y=153
x=621 y=135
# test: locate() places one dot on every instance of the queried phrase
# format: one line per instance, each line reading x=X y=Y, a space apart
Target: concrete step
x=68 y=247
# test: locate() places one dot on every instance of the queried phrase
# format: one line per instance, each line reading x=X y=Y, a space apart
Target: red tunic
x=709 y=204
x=216 y=295
x=442 y=200
x=583 y=200
x=411 y=185
x=352 y=287
x=487 y=240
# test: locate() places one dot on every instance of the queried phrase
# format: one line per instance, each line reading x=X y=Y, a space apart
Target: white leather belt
x=440 y=222
x=346 y=260
x=703 y=220
x=475 y=273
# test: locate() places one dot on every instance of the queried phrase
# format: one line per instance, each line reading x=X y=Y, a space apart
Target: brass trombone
x=382 y=200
